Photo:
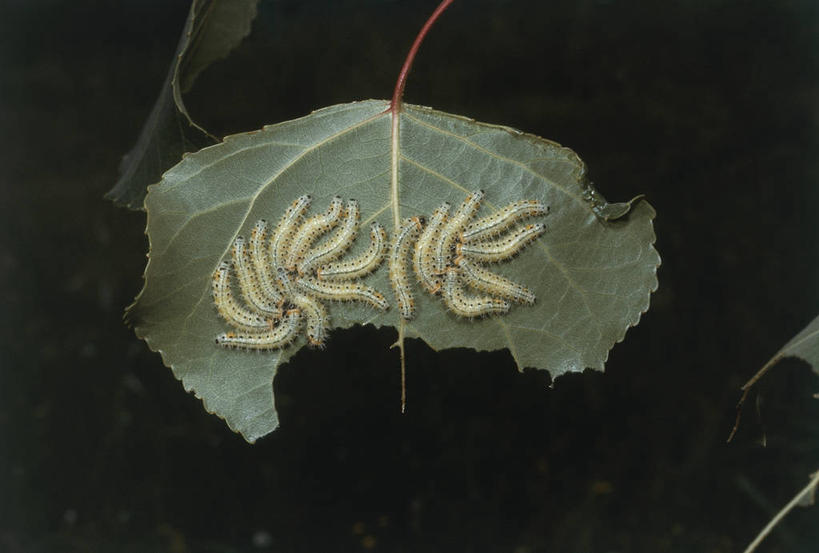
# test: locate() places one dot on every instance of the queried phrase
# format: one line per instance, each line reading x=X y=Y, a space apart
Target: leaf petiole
x=398 y=94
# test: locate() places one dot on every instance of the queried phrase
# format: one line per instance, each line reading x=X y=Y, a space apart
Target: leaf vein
x=499 y=157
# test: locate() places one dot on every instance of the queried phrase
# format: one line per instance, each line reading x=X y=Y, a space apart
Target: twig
x=746 y=388
x=785 y=510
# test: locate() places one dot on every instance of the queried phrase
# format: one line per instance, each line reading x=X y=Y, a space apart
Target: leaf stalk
x=398 y=94
x=394 y=109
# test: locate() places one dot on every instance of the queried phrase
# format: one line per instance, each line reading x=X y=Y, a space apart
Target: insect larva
x=251 y=291
x=275 y=338
x=453 y=228
x=399 y=249
x=229 y=308
x=316 y=315
x=261 y=262
x=465 y=305
x=362 y=265
x=342 y=291
x=492 y=225
x=280 y=241
x=423 y=257
x=283 y=281
x=277 y=271
x=500 y=250
x=337 y=244
x=486 y=281
x=311 y=229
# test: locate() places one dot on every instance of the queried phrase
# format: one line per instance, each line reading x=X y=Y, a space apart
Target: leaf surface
x=592 y=271
x=213 y=28
x=804 y=345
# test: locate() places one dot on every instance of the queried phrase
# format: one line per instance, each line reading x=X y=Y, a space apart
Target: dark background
x=710 y=108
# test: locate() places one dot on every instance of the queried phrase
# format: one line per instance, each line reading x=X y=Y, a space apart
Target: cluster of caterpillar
x=283 y=274
x=449 y=253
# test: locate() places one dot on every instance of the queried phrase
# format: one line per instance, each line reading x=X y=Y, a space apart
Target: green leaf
x=804 y=345
x=592 y=271
x=212 y=30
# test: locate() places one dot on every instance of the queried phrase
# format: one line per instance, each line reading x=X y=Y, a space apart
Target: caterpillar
x=399 y=251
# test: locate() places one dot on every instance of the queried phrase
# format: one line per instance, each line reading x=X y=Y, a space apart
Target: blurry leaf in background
x=212 y=30
x=593 y=270
x=805 y=346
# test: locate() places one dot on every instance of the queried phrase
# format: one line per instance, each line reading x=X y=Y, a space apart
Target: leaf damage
x=592 y=271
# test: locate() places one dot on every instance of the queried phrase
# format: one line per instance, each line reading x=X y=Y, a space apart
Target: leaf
x=212 y=30
x=805 y=346
x=592 y=276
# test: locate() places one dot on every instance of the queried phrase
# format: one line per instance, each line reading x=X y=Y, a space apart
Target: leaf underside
x=213 y=28
x=592 y=271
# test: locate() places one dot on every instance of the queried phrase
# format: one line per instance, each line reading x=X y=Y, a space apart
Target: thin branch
x=785 y=510
x=746 y=388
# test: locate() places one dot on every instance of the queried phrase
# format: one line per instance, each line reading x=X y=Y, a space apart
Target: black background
x=710 y=108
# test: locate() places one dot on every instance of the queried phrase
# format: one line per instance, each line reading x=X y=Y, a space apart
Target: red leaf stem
x=395 y=104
